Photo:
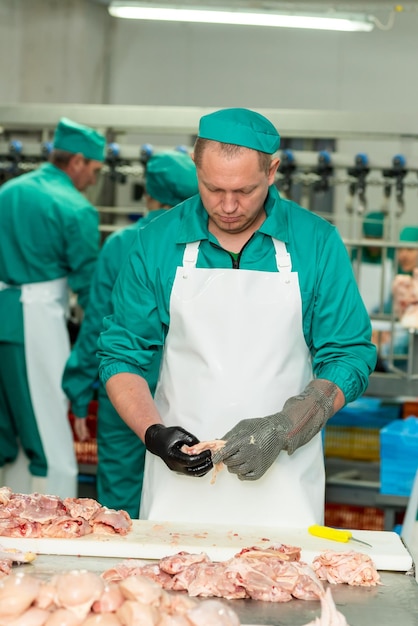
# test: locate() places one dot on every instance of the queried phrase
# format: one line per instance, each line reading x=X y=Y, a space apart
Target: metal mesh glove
x=254 y=444
x=166 y=442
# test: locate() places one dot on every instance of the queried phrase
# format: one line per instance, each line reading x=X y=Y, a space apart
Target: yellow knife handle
x=330 y=533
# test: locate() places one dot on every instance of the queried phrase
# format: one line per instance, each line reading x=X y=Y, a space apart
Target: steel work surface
x=393 y=602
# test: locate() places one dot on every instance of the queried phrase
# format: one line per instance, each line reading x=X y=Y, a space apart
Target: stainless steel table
x=395 y=602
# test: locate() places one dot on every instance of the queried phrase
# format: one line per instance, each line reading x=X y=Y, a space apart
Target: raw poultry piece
x=353 y=568
x=38 y=515
x=213 y=446
x=80 y=598
x=8 y=556
x=330 y=616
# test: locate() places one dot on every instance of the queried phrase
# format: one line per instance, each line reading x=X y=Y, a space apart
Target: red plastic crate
x=355 y=517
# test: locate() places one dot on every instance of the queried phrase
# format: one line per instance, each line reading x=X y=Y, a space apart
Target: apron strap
x=4 y=286
x=190 y=256
x=283 y=260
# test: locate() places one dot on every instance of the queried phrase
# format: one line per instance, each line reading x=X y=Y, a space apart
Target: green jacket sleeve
x=81 y=371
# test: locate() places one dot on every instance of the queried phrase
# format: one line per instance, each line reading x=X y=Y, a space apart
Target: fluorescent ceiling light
x=138 y=11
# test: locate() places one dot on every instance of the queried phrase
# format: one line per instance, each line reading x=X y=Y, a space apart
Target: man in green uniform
x=49 y=241
x=170 y=179
x=264 y=336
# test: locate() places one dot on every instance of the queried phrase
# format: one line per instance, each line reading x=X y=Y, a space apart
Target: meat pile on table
x=353 y=568
x=38 y=515
x=81 y=598
x=271 y=574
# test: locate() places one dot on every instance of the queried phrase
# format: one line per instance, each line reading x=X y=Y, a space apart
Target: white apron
x=47 y=348
x=235 y=349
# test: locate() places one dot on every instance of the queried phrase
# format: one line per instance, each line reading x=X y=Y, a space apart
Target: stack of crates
x=353 y=434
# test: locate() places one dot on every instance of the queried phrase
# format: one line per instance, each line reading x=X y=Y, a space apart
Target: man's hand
x=166 y=442
x=254 y=444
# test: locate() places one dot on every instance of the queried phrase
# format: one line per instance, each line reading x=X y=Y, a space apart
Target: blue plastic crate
x=366 y=413
x=398 y=456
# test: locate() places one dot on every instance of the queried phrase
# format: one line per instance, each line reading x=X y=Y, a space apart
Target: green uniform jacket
x=81 y=370
x=48 y=230
x=336 y=325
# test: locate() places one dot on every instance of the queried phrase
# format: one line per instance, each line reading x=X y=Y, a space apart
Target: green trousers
x=17 y=419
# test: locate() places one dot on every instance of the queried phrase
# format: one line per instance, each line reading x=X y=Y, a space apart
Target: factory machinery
x=333 y=182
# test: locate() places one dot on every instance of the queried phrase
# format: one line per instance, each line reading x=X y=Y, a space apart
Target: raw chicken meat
x=37 y=515
x=8 y=556
x=330 y=616
x=213 y=612
x=80 y=598
x=271 y=574
x=353 y=568
x=17 y=593
x=213 y=446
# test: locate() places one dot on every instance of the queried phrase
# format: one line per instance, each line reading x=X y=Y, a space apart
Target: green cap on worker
x=171 y=177
x=241 y=127
x=409 y=233
x=73 y=137
x=373 y=224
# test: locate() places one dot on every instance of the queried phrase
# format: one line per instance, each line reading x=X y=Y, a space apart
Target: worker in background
x=264 y=335
x=371 y=266
x=170 y=179
x=49 y=242
x=403 y=300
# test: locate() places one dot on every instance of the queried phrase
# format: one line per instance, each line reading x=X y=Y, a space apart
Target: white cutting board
x=154 y=540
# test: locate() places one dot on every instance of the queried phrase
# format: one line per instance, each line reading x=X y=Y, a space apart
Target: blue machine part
x=361 y=159
x=146 y=152
x=113 y=150
x=399 y=161
x=183 y=149
x=15 y=146
x=324 y=157
x=46 y=148
x=287 y=156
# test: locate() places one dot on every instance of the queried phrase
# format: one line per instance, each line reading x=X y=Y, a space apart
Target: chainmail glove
x=167 y=441
x=254 y=444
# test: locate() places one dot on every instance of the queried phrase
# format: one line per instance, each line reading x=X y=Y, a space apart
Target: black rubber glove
x=167 y=441
x=254 y=444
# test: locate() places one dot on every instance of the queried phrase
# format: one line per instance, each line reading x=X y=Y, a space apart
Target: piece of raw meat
x=353 y=568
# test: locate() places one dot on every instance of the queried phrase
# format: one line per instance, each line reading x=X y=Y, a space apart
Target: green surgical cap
x=171 y=177
x=240 y=127
x=409 y=233
x=373 y=224
x=73 y=137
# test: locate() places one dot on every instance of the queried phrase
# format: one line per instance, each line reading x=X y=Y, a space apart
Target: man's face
x=233 y=189
x=85 y=172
